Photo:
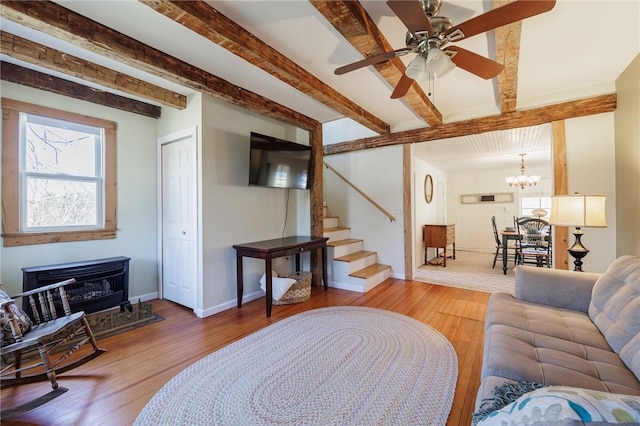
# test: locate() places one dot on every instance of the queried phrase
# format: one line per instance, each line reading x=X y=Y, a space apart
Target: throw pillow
x=503 y=395
x=564 y=404
x=23 y=320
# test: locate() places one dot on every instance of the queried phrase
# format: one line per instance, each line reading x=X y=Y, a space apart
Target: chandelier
x=522 y=180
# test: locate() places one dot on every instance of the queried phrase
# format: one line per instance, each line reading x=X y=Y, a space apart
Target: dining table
x=506 y=236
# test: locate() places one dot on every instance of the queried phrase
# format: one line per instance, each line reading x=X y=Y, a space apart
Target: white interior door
x=179 y=222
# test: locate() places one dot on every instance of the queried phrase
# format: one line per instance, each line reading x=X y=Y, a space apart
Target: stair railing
x=359 y=191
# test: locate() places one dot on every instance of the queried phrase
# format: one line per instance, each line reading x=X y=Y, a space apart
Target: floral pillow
x=563 y=404
x=23 y=320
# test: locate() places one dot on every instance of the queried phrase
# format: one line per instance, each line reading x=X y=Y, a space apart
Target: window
x=58 y=176
x=529 y=204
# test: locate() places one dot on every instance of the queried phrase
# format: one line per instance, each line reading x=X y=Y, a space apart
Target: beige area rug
x=331 y=366
x=470 y=270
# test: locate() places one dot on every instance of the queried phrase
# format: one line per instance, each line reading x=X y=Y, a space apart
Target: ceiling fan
x=429 y=36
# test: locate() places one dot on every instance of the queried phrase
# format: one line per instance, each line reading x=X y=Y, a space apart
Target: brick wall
x=473 y=221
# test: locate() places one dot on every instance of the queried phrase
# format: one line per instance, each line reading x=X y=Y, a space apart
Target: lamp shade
x=417 y=69
x=439 y=62
x=578 y=210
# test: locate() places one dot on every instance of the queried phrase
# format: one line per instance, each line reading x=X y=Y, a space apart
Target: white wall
x=136 y=215
x=591 y=170
x=628 y=160
x=427 y=213
x=234 y=212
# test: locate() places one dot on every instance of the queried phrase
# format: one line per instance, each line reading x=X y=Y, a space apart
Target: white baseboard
x=202 y=313
x=144 y=297
x=344 y=286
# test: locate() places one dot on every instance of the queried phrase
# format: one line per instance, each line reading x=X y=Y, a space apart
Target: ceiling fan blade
x=474 y=63
x=412 y=15
x=402 y=87
x=371 y=60
x=504 y=15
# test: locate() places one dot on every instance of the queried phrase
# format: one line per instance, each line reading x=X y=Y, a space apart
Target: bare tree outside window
x=62 y=174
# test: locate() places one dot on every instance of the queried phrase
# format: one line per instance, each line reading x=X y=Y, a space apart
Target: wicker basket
x=298 y=292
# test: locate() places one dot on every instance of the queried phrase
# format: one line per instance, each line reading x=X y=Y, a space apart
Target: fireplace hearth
x=100 y=283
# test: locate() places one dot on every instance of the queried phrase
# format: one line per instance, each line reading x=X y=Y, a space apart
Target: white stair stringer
x=349 y=266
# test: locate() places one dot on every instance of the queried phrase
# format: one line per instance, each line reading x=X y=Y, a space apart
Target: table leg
x=268 y=268
x=505 y=242
x=297 y=262
x=239 y=282
x=444 y=259
x=324 y=268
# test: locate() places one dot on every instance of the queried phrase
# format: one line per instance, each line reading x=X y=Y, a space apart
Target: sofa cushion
x=557 y=288
x=565 y=324
x=518 y=354
x=615 y=309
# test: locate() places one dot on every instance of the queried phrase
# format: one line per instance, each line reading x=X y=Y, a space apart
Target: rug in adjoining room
x=330 y=366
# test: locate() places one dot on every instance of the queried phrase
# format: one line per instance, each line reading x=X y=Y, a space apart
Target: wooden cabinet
x=439 y=237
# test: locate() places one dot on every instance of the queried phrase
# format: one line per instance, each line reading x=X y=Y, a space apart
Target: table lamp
x=579 y=211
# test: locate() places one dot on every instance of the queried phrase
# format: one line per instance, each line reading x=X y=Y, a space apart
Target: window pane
x=53 y=202
x=55 y=147
x=530 y=203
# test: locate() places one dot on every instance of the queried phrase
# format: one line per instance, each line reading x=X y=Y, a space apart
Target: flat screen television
x=277 y=163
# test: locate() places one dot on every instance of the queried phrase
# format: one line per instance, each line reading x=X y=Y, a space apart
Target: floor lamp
x=581 y=211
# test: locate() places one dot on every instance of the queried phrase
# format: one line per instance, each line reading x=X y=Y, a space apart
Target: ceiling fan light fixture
x=417 y=69
x=439 y=62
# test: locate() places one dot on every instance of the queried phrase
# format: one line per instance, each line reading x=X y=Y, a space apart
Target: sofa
x=572 y=331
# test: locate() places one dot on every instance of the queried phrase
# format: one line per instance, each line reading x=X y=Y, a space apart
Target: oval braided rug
x=338 y=365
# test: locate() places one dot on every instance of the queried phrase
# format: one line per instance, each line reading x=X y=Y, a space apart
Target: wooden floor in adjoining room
x=113 y=388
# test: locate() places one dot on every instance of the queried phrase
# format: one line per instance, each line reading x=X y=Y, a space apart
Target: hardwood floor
x=113 y=389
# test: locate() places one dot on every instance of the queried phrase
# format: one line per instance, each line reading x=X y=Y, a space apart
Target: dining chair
x=499 y=246
x=533 y=245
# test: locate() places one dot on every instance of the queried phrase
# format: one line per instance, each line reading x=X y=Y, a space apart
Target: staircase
x=352 y=267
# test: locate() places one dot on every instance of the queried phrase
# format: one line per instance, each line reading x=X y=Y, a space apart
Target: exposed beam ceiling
x=38 y=80
x=50 y=18
x=511 y=120
x=320 y=35
x=355 y=25
x=37 y=54
x=507 y=42
x=209 y=23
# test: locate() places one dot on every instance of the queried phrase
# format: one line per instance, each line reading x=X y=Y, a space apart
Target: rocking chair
x=44 y=334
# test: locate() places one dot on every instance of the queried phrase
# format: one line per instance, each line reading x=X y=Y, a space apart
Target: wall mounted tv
x=277 y=163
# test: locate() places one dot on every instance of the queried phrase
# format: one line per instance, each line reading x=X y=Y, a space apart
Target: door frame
x=192 y=134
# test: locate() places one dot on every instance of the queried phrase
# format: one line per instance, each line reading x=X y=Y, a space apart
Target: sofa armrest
x=555 y=287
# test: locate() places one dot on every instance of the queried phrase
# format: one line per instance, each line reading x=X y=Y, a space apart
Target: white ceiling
x=576 y=50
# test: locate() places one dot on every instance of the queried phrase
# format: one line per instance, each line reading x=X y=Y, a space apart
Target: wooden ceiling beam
x=507 y=44
x=39 y=80
x=351 y=20
x=46 y=57
x=53 y=19
x=203 y=19
x=510 y=120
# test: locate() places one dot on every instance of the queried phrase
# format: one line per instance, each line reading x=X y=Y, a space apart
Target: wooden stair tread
x=352 y=257
x=370 y=271
x=337 y=228
x=339 y=243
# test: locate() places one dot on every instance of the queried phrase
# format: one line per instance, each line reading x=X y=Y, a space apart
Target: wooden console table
x=439 y=237
x=279 y=247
